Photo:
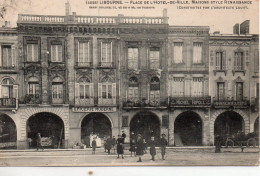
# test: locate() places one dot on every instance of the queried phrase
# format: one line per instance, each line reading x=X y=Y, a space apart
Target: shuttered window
x=220 y=90
x=56 y=53
x=32 y=52
x=197 y=52
x=133 y=58
x=84 y=52
x=239 y=91
x=155 y=58
x=238 y=61
x=177 y=86
x=178 y=50
x=197 y=87
x=220 y=61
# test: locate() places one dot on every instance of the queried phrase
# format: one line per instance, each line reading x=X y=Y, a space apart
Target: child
x=94 y=145
x=152 y=148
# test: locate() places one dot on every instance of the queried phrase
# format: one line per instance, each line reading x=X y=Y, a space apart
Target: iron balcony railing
x=129 y=103
x=32 y=99
x=82 y=101
x=8 y=103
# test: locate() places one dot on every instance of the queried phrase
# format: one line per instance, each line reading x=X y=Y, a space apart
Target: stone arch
x=218 y=112
x=152 y=112
x=14 y=137
x=29 y=111
x=84 y=115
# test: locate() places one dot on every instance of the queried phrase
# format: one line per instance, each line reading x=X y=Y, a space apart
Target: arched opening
x=8 y=132
x=188 y=129
x=147 y=124
x=51 y=128
x=96 y=124
x=256 y=126
x=228 y=123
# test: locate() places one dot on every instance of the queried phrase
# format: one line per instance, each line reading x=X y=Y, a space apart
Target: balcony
x=227 y=103
x=106 y=64
x=84 y=101
x=8 y=103
x=107 y=101
x=190 y=101
x=134 y=103
x=238 y=69
x=84 y=65
x=32 y=99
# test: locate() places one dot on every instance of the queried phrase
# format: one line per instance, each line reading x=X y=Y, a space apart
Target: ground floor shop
x=64 y=127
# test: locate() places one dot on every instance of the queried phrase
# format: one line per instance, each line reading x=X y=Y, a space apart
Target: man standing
x=113 y=142
x=108 y=144
x=39 y=142
x=119 y=147
x=163 y=144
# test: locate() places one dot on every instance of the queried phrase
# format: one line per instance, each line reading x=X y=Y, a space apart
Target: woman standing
x=139 y=147
x=119 y=147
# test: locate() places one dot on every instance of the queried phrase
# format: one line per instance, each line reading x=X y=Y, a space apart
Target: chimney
x=236 y=29
x=165 y=18
x=244 y=27
x=67 y=8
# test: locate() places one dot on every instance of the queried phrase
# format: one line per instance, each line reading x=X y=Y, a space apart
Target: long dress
x=119 y=146
x=140 y=147
x=152 y=145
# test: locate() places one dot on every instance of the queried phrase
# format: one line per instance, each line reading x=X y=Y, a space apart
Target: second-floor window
x=107 y=91
x=177 y=86
x=220 y=90
x=133 y=91
x=177 y=49
x=83 y=53
x=133 y=58
x=155 y=58
x=220 y=61
x=32 y=52
x=7 y=88
x=238 y=61
x=155 y=89
x=85 y=88
x=106 y=52
x=57 y=90
x=6 y=59
x=197 y=52
x=197 y=87
x=56 y=53
x=239 y=91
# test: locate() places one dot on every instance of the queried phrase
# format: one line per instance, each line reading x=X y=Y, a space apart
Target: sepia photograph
x=129 y=83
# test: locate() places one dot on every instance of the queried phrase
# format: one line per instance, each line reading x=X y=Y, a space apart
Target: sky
x=217 y=20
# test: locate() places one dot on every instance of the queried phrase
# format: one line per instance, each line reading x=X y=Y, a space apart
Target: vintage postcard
x=129 y=83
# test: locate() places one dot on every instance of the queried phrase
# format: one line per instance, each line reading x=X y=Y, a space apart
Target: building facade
x=68 y=77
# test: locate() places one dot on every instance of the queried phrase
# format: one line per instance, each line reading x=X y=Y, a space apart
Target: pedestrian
x=94 y=145
x=119 y=147
x=152 y=148
x=132 y=143
x=163 y=144
x=113 y=142
x=123 y=136
x=39 y=142
x=108 y=144
x=218 y=143
x=139 y=147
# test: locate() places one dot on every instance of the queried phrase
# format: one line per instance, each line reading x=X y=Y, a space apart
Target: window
x=106 y=52
x=155 y=90
x=165 y=121
x=85 y=88
x=177 y=88
x=32 y=52
x=6 y=59
x=57 y=90
x=197 y=52
x=197 y=87
x=33 y=86
x=7 y=88
x=220 y=90
x=239 y=91
x=154 y=58
x=124 y=121
x=132 y=58
x=177 y=49
x=56 y=53
x=133 y=93
x=83 y=52
x=106 y=91
x=238 y=62
x=220 y=61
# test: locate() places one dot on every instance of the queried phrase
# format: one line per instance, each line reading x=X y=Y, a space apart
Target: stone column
x=44 y=61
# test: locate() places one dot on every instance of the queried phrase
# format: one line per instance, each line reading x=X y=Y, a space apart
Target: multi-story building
x=70 y=76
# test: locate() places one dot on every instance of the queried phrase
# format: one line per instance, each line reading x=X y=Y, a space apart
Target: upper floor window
x=106 y=52
x=177 y=86
x=33 y=86
x=85 y=88
x=57 y=90
x=132 y=58
x=238 y=61
x=6 y=59
x=155 y=89
x=83 y=52
x=107 y=91
x=239 y=91
x=155 y=58
x=178 y=52
x=133 y=89
x=220 y=90
x=56 y=53
x=32 y=52
x=220 y=61
x=197 y=87
x=197 y=52
x=7 y=88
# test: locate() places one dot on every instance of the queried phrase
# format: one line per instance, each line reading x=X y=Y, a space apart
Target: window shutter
x=224 y=60
x=225 y=90
x=13 y=55
x=15 y=91
x=114 y=92
x=0 y=91
x=0 y=55
x=91 y=87
x=99 y=90
x=60 y=55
